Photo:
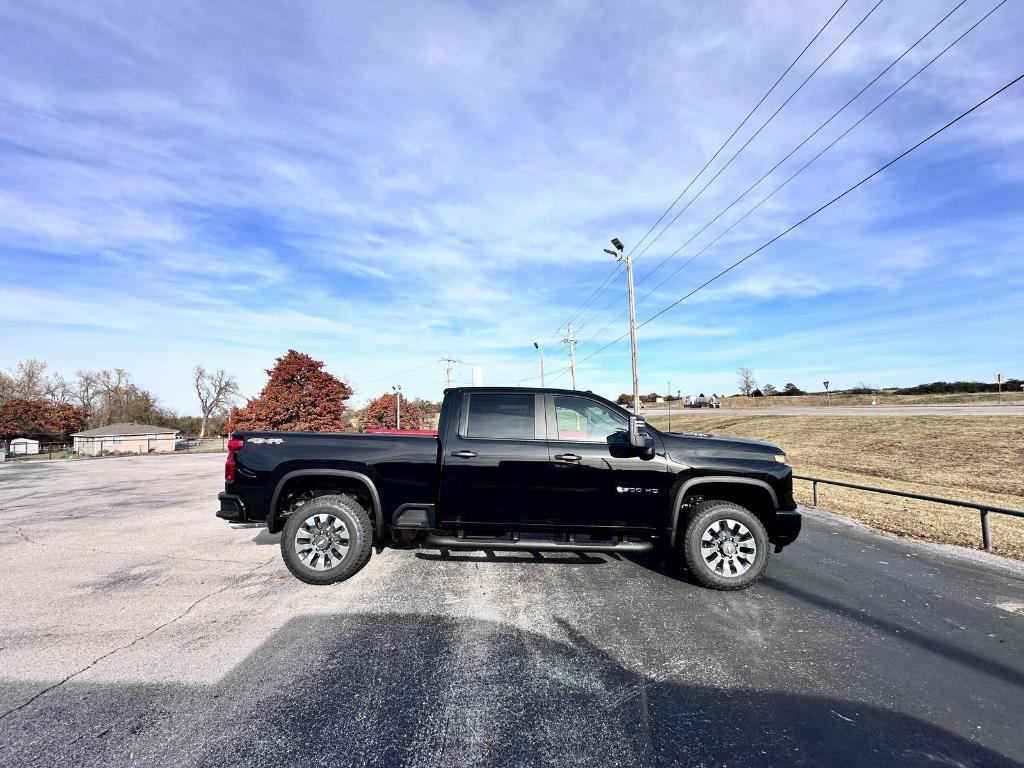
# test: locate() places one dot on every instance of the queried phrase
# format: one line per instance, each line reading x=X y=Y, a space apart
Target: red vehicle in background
x=429 y=432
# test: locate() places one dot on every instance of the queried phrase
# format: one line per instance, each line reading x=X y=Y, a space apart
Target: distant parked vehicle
x=701 y=401
x=187 y=442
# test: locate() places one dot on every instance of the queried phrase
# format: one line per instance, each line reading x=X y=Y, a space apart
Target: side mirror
x=639 y=438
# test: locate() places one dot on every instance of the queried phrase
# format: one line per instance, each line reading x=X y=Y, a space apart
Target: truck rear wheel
x=327 y=540
x=725 y=546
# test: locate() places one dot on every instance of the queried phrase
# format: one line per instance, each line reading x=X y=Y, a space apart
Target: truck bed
x=403 y=467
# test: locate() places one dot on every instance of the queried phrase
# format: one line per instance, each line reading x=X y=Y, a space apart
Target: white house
x=124 y=438
x=23 y=446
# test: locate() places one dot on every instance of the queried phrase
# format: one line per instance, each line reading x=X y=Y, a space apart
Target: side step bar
x=533 y=545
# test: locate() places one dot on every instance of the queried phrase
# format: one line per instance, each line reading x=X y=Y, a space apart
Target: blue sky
x=383 y=185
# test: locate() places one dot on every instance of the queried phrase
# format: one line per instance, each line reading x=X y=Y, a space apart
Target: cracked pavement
x=136 y=628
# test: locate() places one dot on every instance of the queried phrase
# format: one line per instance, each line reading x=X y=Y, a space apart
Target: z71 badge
x=267 y=440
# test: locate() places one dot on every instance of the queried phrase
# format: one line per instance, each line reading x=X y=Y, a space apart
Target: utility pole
x=541 y=351
x=571 y=343
x=398 y=406
x=450 y=362
x=632 y=316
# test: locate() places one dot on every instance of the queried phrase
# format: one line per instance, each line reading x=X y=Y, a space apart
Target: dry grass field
x=977 y=458
x=838 y=398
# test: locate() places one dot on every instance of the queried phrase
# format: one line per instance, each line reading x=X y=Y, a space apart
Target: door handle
x=568 y=457
x=464 y=454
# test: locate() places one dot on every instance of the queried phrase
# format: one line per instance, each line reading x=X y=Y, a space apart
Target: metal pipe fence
x=22 y=452
x=983 y=508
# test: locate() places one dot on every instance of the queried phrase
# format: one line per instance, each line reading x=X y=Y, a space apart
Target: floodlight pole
x=571 y=342
x=632 y=332
x=619 y=247
x=541 y=351
x=398 y=406
x=633 y=336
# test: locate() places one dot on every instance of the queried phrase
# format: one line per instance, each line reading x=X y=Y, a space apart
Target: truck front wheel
x=725 y=546
x=327 y=540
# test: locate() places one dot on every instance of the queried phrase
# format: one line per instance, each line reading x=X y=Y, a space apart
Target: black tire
x=355 y=523
x=715 y=570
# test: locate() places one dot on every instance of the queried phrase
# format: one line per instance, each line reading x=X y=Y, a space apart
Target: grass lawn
x=977 y=458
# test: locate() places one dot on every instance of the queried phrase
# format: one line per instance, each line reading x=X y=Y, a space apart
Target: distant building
x=23 y=446
x=124 y=438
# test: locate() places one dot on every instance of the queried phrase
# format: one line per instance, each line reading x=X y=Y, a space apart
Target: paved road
x=853 y=410
x=137 y=629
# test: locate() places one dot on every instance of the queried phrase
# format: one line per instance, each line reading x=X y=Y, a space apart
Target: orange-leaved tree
x=381 y=414
x=299 y=397
x=23 y=417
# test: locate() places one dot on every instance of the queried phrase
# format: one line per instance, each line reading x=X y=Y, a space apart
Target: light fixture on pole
x=632 y=315
x=570 y=341
x=541 y=351
x=398 y=406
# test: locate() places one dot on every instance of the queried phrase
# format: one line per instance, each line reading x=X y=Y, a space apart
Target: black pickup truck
x=516 y=468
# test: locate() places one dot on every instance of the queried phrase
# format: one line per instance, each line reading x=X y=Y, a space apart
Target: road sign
x=825 y=383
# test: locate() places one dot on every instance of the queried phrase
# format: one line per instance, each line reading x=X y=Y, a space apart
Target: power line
x=804 y=167
x=810 y=136
x=815 y=212
x=742 y=123
x=756 y=133
x=391 y=377
x=737 y=153
x=604 y=285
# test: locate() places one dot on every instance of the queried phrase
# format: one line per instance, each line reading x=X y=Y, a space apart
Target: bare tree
x=216 y=391
x=6 y=387
x=747 y=381
x=769 y=390
x=57 y=389
x=114 y=391
x=86 y=391
x=29 y=378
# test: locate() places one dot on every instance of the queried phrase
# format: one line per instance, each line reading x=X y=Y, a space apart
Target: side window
x=502 y=416
x=584 y=420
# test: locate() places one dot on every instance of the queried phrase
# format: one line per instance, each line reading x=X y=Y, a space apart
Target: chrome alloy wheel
x=322 y=541
x=728 y=547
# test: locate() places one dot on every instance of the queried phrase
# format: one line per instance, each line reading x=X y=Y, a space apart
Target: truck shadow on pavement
x=392 y=689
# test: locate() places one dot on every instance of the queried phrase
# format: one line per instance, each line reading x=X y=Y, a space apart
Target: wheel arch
x=753 y=494
x=355 y=480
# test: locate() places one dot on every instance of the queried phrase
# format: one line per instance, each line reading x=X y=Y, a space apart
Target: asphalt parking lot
x=136 y=628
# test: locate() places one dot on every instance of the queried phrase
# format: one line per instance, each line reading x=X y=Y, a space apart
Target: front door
x=494 y=457
x=596 y=478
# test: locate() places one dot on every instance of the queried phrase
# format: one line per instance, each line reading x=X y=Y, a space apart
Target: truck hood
x=680 y=444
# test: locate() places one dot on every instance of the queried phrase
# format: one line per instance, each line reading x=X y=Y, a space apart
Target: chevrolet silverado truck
x=518 y=469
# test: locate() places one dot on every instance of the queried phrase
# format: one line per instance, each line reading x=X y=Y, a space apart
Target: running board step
x=533 y=545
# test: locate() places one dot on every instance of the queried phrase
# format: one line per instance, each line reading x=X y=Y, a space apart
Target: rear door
x=493 y=458
x=596 y=478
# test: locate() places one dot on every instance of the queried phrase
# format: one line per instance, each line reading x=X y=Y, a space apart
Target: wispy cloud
x=385 y=186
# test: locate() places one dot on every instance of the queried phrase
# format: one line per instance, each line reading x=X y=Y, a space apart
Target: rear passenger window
x=497 y=415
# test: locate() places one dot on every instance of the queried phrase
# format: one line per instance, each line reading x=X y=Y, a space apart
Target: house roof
x=121 y=430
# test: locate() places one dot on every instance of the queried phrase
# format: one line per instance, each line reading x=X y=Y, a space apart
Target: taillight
x=234 y=445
